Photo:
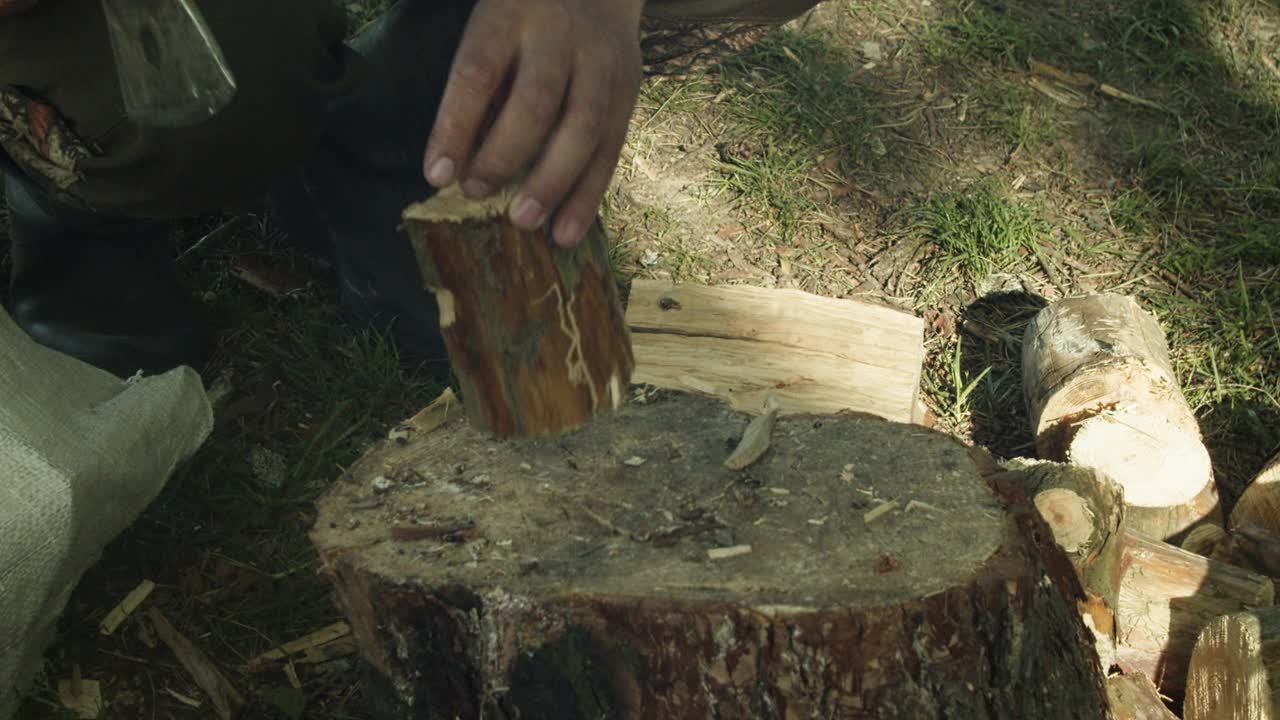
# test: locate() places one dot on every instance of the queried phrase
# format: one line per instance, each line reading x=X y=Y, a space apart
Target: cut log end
x=1260 y=503
x=1205 y=540
x=1233 y=669
x=621 y=571
x=1068 y=515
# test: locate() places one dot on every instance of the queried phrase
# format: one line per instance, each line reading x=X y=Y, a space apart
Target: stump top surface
x=638 y=503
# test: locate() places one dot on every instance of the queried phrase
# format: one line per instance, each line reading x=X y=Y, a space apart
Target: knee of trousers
x=289 y=62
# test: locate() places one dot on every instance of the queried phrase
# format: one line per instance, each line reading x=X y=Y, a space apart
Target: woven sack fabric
x=82 y=453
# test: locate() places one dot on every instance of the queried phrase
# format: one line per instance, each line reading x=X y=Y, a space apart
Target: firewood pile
x=753 y=520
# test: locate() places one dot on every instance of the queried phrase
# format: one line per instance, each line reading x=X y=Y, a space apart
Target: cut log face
x=815 y=354
x=535 y=333
x=1234 y=670
x=1167 y=596
x=622 y=571
x=1260 y=503
x=1101 y=393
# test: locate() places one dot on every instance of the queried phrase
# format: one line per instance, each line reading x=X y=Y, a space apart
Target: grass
x=980 y=230
x=917 y=180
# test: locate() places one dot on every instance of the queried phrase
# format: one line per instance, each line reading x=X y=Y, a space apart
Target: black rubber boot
x=100 y=290
x=368 y=168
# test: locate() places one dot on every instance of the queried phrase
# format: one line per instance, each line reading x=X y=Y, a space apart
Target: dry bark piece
x=327 y=643
x=226 y=699
x=534 y=332
x=1135 y=697
x=1235 y=669
x=1167 y=596
x=1260 y=503
x=756 y=438
x=742 y=344
x=1102 y=393
x=966 y=618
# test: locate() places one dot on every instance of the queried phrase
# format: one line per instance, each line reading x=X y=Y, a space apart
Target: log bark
x=814 y=354
x=1085 y=511
x=1235 y=669
x=1167 y=596
x=1101 y=393
x=535 y=333
x=1260 y=503
x=1135 y=697
x=622 y=571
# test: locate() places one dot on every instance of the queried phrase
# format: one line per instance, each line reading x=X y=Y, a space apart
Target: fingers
x=530 y=112
x=573 y=143
x=578 y=212
x=480 y=67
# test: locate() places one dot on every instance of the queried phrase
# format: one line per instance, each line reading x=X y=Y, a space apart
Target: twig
x=121 y=612
x=226 y=699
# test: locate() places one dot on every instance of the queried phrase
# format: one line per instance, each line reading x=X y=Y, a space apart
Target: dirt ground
x=968 y=160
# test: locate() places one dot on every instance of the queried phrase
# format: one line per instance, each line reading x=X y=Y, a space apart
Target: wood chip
x=879 y=511
x=184 y=699
x=728 y=552
x=634 y=461
x=318 y=640
x=1073 y=79
x=226 y=699
x=83 y=698
x=755 y=441
x=1117 y=93
x=121 y=612
x=923 y=506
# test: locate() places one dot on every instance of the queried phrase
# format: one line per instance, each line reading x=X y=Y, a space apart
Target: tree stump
x=535 y=333
x=858 y=569
x=1235 y=669
x=1101 y=393
x=1167 y=596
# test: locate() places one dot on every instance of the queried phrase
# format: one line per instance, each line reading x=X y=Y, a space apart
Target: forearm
x=11 y=7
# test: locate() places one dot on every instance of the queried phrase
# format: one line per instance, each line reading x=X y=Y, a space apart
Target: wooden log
x=1167 y=596
x=1235 y=669
x=1135 y=697
x=1101 y=393
x=1085 y=511
x=535 y=333
x=814 y=354
x=1259 y=504
x=622 y=571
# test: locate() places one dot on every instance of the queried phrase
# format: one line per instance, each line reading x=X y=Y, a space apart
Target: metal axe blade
x=172 y=71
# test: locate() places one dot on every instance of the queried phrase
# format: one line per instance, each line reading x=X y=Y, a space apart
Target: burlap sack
x=81 y=454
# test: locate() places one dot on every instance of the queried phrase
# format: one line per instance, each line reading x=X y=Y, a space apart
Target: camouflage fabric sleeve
x=10 y=7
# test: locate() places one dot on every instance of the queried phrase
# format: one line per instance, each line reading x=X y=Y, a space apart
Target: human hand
x=541 y=84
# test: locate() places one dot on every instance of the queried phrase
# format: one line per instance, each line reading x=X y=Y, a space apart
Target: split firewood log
x=855 y=568
x=1259 y=505
x=535 y=333
x=1101 y=393
x=1235 y=669
x=1167 y=596
x=1135 y=697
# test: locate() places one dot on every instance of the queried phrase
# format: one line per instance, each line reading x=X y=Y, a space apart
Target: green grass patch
x=979 y=230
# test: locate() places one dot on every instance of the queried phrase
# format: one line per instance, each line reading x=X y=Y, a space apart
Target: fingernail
x=441 y=173
x=527 y=212
x=475 y=189
x=570 y=233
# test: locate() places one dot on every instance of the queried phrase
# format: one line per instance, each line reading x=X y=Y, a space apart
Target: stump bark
x=1167 y=596
x=858 y=569
x=1235 y=669
x=1101 y=393
x=534 y=332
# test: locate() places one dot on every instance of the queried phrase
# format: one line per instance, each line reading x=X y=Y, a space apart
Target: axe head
x=171 y=68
